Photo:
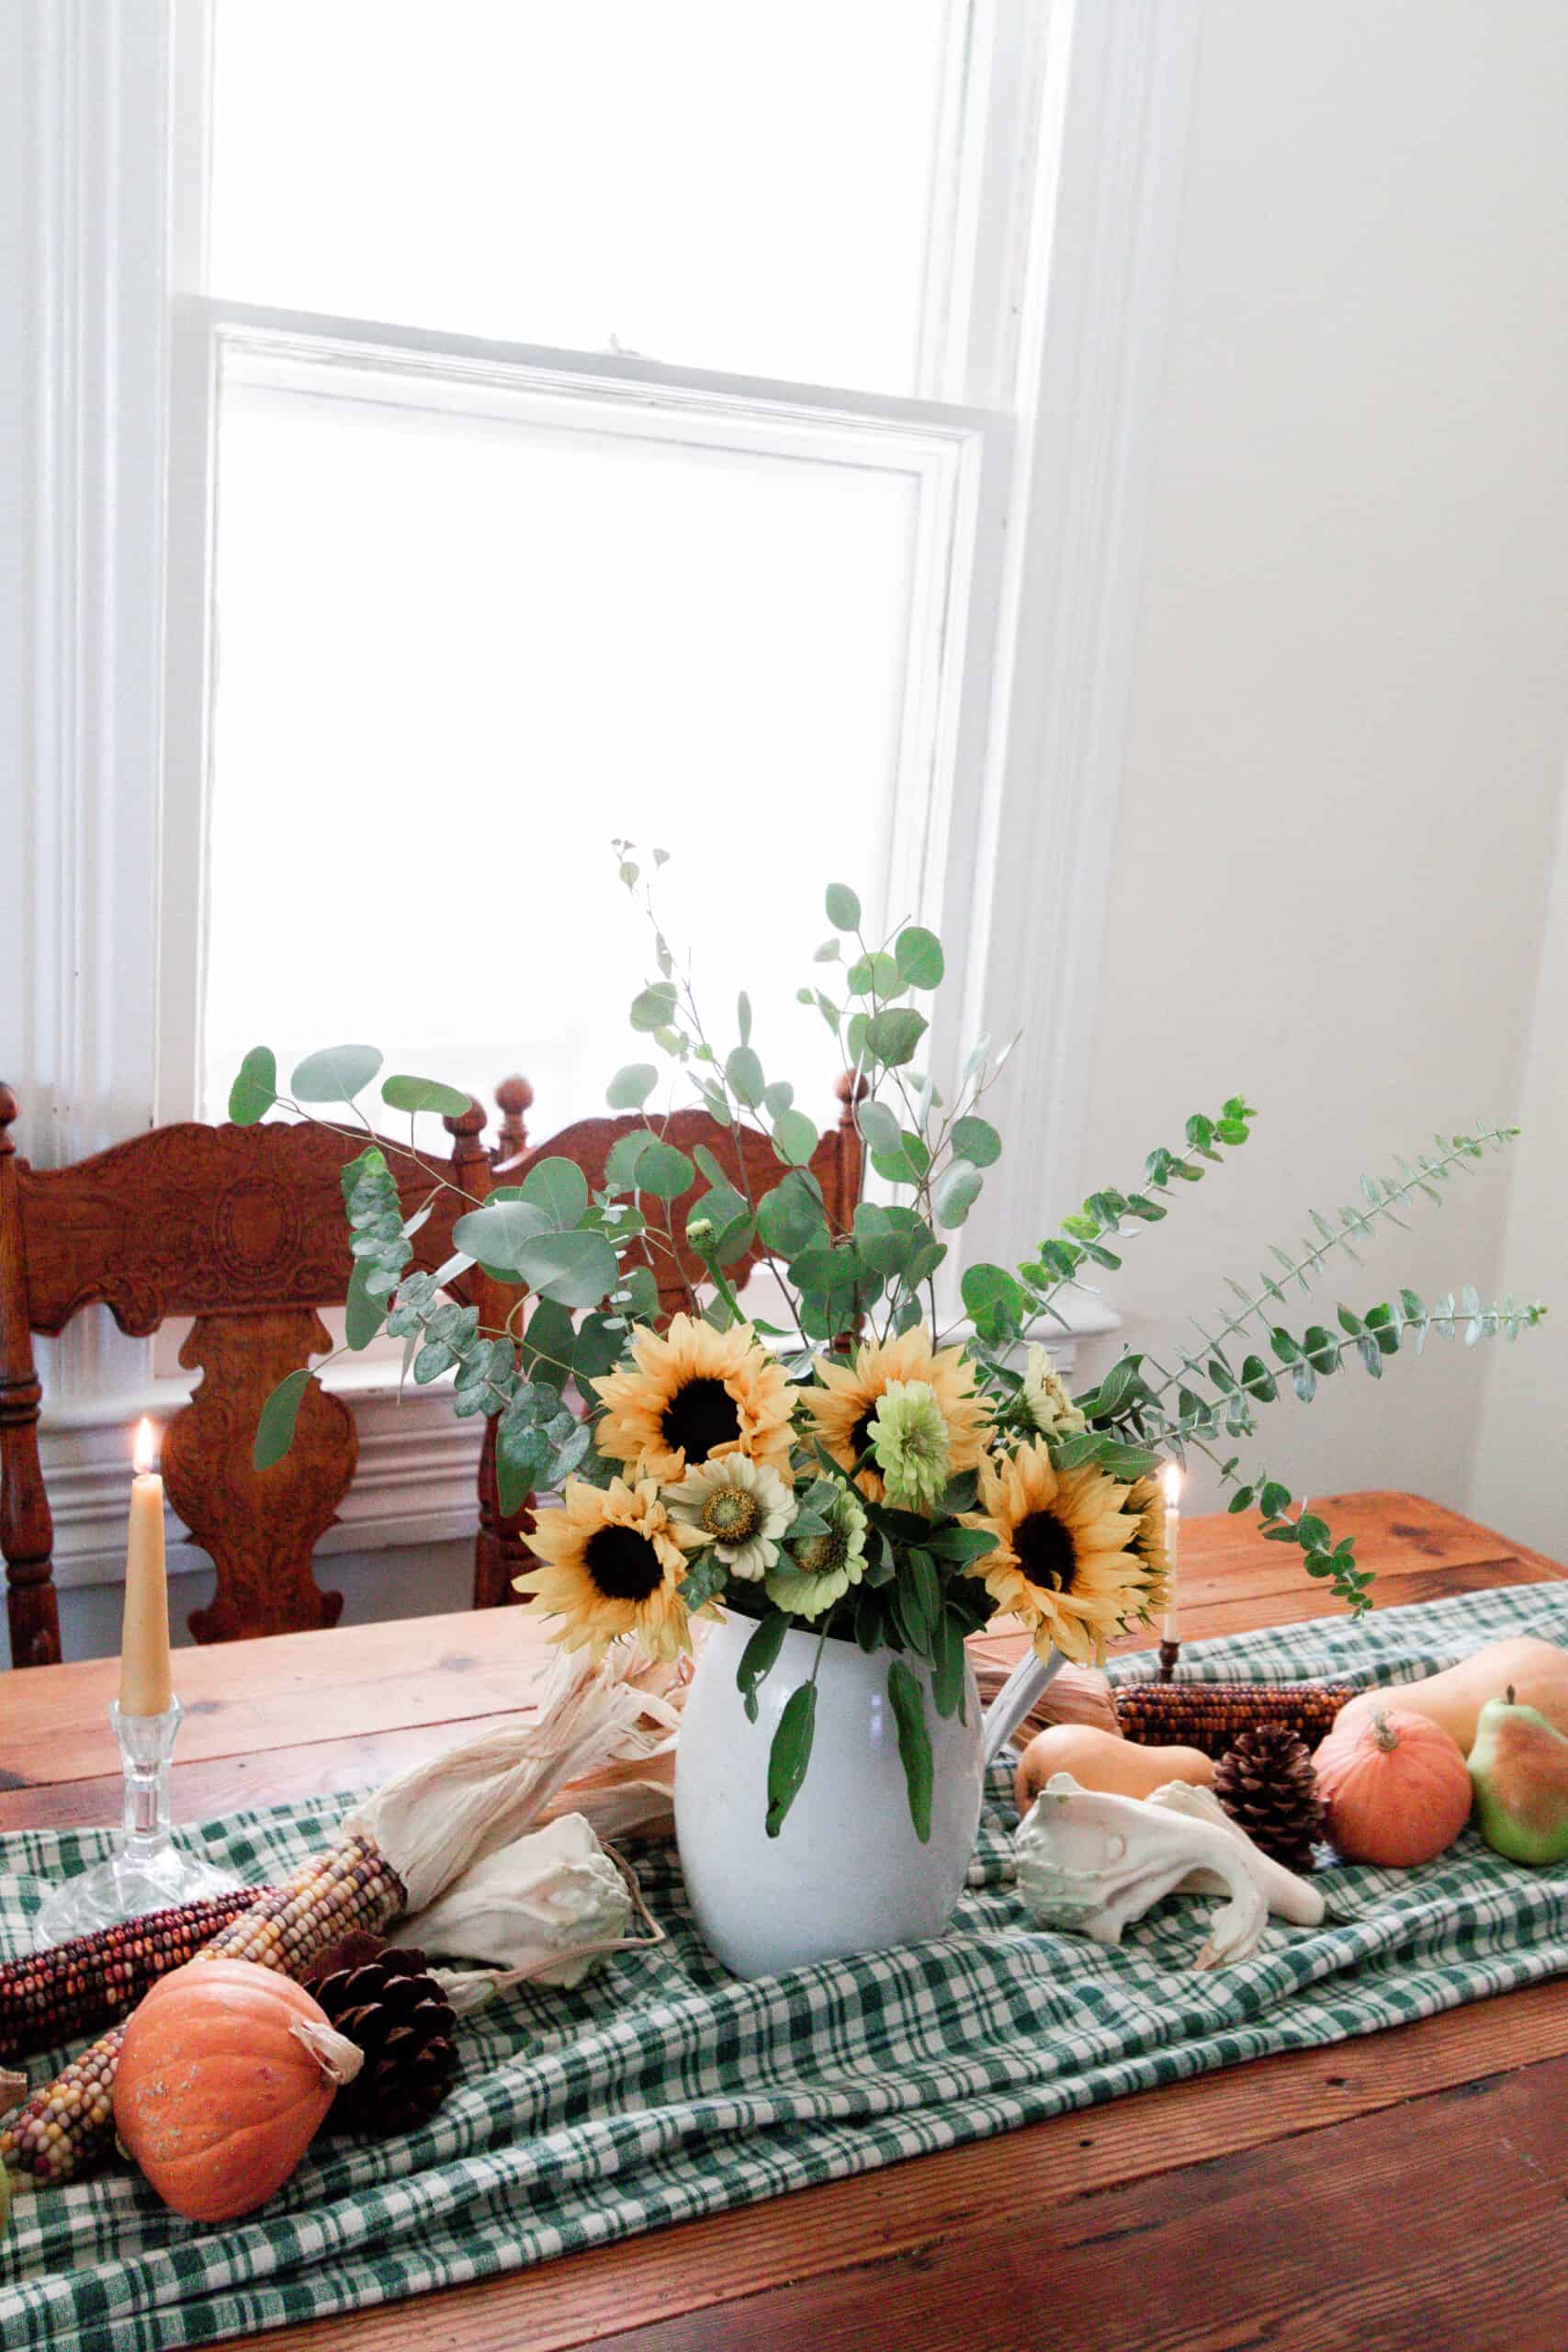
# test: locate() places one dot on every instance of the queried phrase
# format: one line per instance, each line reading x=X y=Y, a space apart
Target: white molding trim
x=1110 y=91
x=416 y=1483
x=92 y=181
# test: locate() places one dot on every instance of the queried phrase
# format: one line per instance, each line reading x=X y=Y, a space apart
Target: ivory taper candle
x=145 y=1688
x=1170 y=1477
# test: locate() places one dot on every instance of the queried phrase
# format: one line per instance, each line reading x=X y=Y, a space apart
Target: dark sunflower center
x=860 y=1436
x=1044 y=1549
x=623 y=1564
x=700 y=1416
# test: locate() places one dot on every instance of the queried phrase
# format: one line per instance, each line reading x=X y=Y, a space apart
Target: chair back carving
x=241 y=1228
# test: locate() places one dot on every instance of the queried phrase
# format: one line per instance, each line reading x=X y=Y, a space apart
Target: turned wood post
x=27 y=1530
x=514 y=1099
x=500 y=1553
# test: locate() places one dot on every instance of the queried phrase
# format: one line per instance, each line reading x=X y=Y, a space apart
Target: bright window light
x=566 y=635
x=706 y=182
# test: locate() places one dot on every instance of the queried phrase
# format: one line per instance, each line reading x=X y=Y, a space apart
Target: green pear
x=1518 y=1768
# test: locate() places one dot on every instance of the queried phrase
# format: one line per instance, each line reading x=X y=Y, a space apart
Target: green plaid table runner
x=664 y=2089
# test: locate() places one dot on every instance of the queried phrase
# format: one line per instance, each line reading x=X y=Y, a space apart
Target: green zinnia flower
x=909 y=1442
x=822 y=1567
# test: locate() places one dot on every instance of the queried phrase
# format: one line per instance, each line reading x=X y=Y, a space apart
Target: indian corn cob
x=47 y=1996
x=67 y=2127
x=1208 y=1716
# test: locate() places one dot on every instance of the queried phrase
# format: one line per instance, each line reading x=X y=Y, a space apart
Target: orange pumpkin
x=226 y=2072
x=1396 y=1786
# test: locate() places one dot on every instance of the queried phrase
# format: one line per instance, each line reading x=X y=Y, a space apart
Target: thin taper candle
x=145 y=1684
x=1171 y=1479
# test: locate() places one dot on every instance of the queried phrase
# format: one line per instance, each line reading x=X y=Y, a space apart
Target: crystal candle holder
x=147 y=1871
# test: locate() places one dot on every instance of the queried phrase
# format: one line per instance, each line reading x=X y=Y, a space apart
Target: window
x=570 y=469
x=523 y=403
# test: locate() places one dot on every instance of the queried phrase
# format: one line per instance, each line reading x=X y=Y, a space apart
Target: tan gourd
x=1537 y=1670
x=1102 y=1761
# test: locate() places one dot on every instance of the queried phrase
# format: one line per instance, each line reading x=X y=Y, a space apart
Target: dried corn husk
x=543 y=1907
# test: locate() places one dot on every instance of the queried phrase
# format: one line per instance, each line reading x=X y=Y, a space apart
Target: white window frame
x=1055 y=256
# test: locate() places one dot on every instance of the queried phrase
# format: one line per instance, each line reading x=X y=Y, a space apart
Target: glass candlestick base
x=147 y=1871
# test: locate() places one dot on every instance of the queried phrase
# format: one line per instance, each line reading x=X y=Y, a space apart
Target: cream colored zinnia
x=738 y=1508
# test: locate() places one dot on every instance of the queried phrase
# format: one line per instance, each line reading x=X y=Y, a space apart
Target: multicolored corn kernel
x=1208 y=1716
x=48 y=1996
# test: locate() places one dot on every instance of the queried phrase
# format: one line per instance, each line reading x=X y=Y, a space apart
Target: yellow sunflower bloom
x=611 y=1561
x=1063 y=1561
x=843 y=1409
x=697 y=1393
x=1145 y=1507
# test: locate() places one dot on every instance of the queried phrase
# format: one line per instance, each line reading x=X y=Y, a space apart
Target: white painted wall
x=1350 y=696
x=1520 y=1478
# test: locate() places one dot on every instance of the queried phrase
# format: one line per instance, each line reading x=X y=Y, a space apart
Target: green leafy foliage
x=275 y=1425
x=790 y=1754
x=844 y=907
x=254 y=1089
x=758 y=1658
x=414 y=1094
x=336 y=1074
x=630 y=1087
x=920 y=957
x=914 y=1745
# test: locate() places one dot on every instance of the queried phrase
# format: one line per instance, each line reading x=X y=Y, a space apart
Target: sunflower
x=822 y=1567
x=1145 y=1506
x=610 y=1562
x=741 y=1508
x=843 y=1409
x=1063 y=1560
x=695 y=1393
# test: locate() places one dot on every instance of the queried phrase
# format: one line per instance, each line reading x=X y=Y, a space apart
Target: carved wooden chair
x=746 y=1158
x=243 y=1229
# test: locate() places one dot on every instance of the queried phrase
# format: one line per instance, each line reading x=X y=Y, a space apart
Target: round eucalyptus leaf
x=795 y=1138
x=577 y=1268
x=957 y=1190
x=844 y=907
x=893 y=1034
x=744 y=1071
x=630 y=1087
x=560 y=1188
x=976 y=1140
x=877 y=1125
x=920 y=957
x=663 y=1171
x=497 y=1233
x=403 y=1093
x=335 y=1074
x=254 y=1089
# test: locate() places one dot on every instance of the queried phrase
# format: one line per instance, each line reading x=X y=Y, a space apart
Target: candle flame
x=1170 y=1478
x=146 y=1453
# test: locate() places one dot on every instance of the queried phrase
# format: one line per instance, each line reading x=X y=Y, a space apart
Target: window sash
x=957 y=457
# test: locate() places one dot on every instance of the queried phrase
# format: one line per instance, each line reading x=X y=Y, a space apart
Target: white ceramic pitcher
x=846 y=1872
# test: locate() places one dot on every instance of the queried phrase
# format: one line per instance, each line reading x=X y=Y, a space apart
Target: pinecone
x=402 y=2019
x=1266 y=1782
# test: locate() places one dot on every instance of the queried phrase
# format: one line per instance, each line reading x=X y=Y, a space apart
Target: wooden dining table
x=1405 y=2189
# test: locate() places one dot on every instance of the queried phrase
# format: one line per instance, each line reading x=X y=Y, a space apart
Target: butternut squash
x=1537 y=1670
x=1102 y=1761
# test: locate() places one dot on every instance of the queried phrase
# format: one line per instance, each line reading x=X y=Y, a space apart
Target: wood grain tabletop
x=1405 y=2189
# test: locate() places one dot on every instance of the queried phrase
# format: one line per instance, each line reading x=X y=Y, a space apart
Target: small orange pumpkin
x=225 y=2074
x=1396 y=1786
